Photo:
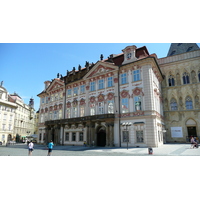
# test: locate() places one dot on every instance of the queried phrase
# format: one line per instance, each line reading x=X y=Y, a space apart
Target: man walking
x=50 y=147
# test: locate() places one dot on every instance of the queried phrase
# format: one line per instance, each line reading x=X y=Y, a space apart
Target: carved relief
x=68 y=104
x=125 y=94
x=100 y=98
x=110 y=96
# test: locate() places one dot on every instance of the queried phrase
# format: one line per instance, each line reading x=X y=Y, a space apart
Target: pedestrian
x=50 y=147
x=30 y=148
x=193 y=143
x=85 y=144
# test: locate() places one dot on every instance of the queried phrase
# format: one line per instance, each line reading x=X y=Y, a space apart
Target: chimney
x=47 y=83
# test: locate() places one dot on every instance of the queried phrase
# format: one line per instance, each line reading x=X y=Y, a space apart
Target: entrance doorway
x=101 y=137
x=192 y=131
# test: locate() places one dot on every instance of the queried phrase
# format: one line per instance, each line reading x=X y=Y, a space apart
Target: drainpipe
x=119 y=112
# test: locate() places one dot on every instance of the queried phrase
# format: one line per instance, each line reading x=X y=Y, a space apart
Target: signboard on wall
x=176 y=132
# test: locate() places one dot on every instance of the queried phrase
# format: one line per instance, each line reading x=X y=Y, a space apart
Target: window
x=188 y=103
x=137 y=103
x=92 y=109
x=42 y=101
x=172 y=53
x=55 y=114
x=136 y=75
x=66 y=136
x=82 y=89
x=110 y=107
x=73 y=136
x=68 y=113
x=47 y=99
x=101 y=84
x=92 y=86
x=101 y=106
x=74 y=111
x=75 y=91
x=139 y=135
x=171 y=81
x=123 y=78
x=125 y=136
x=186 y=79
x=173 y=104
x=125 y=105
x=82 y=111
x=69 y=92
x=189 y=49
x=3 y=127
x=81 y=136
x=50 y=115
x=110 y=81
x=60 y=114
x=10 y=127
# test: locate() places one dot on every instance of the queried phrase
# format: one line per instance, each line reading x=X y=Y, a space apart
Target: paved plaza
x=41 y=150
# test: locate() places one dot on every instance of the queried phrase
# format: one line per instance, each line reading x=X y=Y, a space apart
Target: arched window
x=188 y=103
x=186 y=78
x=173 y=104
x=171 y=81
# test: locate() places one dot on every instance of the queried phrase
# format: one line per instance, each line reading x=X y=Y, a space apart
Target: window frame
x=92 y=86
x=136 y=75
x=124 y=78
x=110 y=81
x=123 y=102
x=101 y=84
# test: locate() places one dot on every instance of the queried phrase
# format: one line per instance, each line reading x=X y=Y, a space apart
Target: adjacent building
x=7 y=116
x=181 y=91
x=16 y=117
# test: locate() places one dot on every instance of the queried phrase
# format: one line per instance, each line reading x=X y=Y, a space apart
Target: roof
x=178 y=48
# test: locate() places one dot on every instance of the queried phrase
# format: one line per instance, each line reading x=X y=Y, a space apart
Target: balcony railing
x=81 y=119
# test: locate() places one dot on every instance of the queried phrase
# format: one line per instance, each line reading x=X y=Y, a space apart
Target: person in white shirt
x=30 y=148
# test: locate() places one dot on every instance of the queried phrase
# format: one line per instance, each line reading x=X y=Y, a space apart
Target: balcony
x=93 y=118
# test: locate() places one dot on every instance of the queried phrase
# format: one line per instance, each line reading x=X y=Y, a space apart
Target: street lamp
x=125 y=125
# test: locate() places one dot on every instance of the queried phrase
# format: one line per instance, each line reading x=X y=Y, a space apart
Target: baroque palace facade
x=132 y=99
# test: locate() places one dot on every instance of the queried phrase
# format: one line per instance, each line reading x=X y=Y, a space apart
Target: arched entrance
x=191 y=128
x=101 y=137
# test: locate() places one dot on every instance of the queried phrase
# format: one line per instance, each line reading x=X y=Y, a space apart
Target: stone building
x=24 y=117
x=114 y=102
x=16 y=117
x=181 y=91
x=7 y=116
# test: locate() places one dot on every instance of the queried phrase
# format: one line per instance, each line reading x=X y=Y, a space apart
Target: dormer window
x=129 y=56
x=189 y=49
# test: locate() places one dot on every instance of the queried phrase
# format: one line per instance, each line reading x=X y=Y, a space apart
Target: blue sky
x=25 y=66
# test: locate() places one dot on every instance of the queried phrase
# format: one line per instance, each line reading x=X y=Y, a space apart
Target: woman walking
x=30 y=148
